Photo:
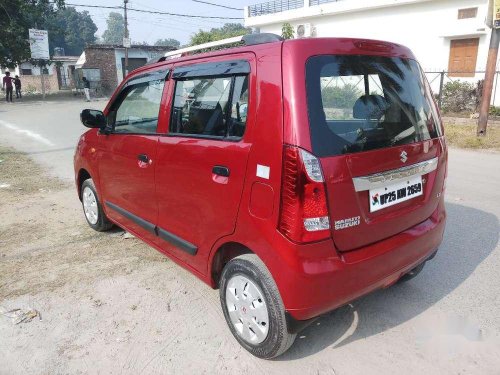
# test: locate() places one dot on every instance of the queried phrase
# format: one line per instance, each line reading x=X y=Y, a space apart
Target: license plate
x=395 y=193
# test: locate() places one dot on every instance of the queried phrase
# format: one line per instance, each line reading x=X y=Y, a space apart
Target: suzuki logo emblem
x=403 y=156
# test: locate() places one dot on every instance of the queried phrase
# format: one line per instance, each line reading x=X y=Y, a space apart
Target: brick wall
x=34 y=83
x=103 y=59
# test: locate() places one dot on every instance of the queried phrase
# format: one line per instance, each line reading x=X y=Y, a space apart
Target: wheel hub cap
x=247 y=309
x=90 y=205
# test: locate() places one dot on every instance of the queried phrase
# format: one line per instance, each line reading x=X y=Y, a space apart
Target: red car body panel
x=184 y=197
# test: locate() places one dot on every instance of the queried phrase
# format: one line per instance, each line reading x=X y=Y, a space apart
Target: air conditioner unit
x=305 y=30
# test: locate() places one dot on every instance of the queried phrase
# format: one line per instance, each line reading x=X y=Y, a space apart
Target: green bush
x=340 y=97
x=494 y=111
x=459 y=97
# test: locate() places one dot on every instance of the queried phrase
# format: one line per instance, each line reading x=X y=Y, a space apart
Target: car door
x=202 y=160
x=127 y=154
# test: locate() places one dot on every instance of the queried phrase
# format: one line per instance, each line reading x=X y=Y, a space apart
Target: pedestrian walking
x=17 y=85
x=7 y=86
x=86 y=88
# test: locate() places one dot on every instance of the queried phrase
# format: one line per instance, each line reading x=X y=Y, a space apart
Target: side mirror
x=93 y=118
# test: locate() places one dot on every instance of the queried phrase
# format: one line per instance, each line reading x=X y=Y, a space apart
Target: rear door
x=202 y=159
x=376 y=131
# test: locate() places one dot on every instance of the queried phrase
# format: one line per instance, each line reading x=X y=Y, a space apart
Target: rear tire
x=253 y=307
x=413 y=273
x=92 y=208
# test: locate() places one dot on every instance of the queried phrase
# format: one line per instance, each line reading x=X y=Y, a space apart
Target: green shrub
x=460 y=97
x=340 y=97
x=287 y=31
x=494 y=111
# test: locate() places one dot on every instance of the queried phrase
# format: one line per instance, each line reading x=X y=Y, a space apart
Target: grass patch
x=20 y=175
x=464 y=136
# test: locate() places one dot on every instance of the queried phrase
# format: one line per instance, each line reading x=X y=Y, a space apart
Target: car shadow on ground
x=471 y=235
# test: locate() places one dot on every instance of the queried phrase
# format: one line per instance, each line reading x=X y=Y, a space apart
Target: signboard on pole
x=126 y=42
x=496 y=14
x=39 y=44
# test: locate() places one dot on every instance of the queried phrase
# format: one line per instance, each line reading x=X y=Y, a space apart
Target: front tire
x=92 y=208
x=253 y=307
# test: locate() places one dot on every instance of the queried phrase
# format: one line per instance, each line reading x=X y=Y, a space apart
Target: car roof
x=359 y=46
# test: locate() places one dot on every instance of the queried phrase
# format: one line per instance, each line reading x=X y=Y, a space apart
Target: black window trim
x=224 y=138
x=226 y=68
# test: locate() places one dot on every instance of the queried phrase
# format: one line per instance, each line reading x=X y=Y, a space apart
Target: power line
x=182 y=20
x=184 y=15
x=216 y=5
x=154 y=12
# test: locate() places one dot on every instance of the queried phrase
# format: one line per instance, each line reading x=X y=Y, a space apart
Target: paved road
x=447 y=320
x=47 y=131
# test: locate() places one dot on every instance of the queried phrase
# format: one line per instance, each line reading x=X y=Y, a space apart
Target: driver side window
x=138 y=111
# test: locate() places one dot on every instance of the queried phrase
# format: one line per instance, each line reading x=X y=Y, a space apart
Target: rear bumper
x=318 y=284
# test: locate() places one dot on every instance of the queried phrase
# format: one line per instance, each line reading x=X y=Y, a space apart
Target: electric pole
x=489 y=78
x=492 y=21
x=126 y=43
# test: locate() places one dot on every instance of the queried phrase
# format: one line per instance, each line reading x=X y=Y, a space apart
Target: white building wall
x=426 y=27
x=35 y=70
x=132 y=54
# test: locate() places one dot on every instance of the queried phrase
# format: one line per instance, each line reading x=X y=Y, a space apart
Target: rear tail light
x=445 y=155
x=304 y=211
x=445 y=177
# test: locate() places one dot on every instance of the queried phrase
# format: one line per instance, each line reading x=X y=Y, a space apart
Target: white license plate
x=395 y=193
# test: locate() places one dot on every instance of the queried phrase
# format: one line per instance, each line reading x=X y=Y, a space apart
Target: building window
x=26 y=72
x=467 y=13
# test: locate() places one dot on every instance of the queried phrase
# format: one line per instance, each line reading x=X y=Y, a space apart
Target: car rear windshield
x=360 y=103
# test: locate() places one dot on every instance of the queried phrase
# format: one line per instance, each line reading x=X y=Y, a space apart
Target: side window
x=214 y=106
x=138 y=111
x=239 y=107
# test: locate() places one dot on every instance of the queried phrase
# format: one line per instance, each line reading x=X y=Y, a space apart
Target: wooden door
x=463 y=57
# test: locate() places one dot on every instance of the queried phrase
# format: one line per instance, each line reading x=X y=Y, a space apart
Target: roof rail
x=249 y=40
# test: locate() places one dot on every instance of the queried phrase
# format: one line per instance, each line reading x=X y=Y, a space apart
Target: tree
x=77 y=28
x=16 y=17
x=287 y=31
x=340 y=96
x=168 y=42
x=116 y=29
x=227 y=31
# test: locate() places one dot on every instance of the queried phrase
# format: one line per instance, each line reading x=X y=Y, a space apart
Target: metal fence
x=438 y=80
x=271 y=7
x=319 y=2
x=277 y=6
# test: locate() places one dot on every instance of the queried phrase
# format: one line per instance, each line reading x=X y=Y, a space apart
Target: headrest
x=369 y=107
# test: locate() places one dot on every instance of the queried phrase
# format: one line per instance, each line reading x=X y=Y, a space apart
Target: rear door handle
x=143 y=157
x=220 y=170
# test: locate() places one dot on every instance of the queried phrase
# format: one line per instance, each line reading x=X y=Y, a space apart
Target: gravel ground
x=112 y=305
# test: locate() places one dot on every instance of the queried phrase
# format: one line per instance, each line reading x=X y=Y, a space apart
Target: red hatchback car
x=293 y=175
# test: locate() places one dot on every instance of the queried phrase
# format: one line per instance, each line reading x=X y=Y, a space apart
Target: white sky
x=150 y=27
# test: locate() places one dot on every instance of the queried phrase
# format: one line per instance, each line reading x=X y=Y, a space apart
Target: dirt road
x=112 y=305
